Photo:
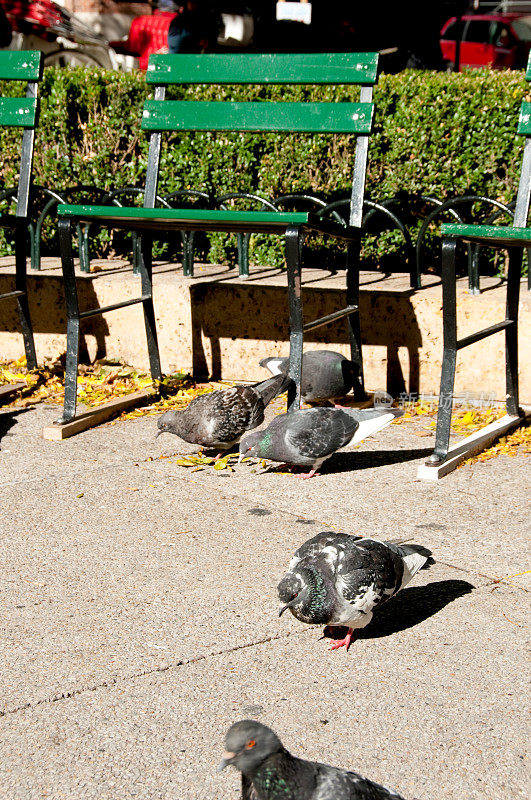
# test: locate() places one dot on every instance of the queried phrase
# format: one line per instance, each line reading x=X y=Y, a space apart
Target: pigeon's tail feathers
x=274 y=365
x=273 y=386
x=414 y=557
x=372 y=420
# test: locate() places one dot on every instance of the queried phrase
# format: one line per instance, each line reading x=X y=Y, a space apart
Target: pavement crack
x=491 y=578
x=153 y=671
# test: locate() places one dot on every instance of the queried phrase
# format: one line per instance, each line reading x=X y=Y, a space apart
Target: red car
x=501 y=41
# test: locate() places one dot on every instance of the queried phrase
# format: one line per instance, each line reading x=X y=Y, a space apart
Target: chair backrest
x=161 y=115
x=22 y=112
x=521 y=210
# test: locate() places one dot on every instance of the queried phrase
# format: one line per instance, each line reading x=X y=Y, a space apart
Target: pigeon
x=218 y=419
x=339 y=579
x=325 y=374
x=270 y=772
x=309 y=437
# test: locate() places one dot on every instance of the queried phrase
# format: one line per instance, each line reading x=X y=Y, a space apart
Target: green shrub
x=435 y=134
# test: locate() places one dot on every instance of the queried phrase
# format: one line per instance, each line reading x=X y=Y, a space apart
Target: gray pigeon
x=325 y=373
x=309 y=437
x=270 y=772
x=338 y=579
x=218 y=419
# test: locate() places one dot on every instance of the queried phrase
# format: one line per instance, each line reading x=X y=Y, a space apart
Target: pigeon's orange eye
x=250 y=744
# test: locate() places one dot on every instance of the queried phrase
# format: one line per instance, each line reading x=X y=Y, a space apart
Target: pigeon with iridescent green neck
x=309 y=437
x=336 y=579
x=270 y=772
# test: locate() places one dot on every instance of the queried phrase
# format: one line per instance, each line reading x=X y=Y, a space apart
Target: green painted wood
x=175 y=215
x=21 y=65
x=524 y=120
x=276 y=68
x=18 y=112
x=185 y=115
x=487 y=233
x=528 y=71
x=165 y=219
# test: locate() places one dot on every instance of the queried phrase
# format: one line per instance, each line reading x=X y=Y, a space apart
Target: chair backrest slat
x=350 y=69
x=21 y=65
x=262 y=68
x=186 y=115
x=18 y=112
x=22 y=112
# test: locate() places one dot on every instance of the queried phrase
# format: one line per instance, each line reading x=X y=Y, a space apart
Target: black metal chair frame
x=506 y=238
x=293 y=226
x=20 y=222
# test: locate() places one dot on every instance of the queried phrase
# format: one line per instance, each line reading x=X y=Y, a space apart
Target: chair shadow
x=8 y=421
x=408 y=608
x=351 y=461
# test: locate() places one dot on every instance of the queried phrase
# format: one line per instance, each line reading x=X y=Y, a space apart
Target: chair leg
x=72 y=320
x=444 y=413
x=188 y=253
x=296 y=330
x=473 y=269
x=511 y=333
x=21 y=257
x=243 y=254
x=353 y=320
x=146 y=273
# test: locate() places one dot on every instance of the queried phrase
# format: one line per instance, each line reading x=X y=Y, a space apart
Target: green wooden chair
x=515 y=238
x=160 y=115
x=21 y=112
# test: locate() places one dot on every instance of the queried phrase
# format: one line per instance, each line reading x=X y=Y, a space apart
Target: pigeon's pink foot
x=343 y=642
x=309 y=474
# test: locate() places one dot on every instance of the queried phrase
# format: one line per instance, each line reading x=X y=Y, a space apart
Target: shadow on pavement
x=408 y=608
x=7 y=421
x=350 y=462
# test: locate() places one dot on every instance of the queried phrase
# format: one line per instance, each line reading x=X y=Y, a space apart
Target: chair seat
x=496 y=235
x=206 y=220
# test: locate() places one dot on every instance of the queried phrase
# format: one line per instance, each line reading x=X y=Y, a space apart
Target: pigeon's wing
x=319 y=432
x=248 y=790
x=235 y=411
x=313 y=548
x=338 y=784
x=367 y=566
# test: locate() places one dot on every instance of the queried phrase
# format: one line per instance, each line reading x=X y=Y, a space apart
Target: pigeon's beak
x=227 y=758
x=240 y=458
x=284 y=608
x=161 y=430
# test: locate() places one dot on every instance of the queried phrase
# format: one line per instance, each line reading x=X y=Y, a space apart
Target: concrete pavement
x=139 y=619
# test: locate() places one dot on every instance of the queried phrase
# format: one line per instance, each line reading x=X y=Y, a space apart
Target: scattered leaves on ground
x=107 y=379
x=466 y=420
x=97 y=384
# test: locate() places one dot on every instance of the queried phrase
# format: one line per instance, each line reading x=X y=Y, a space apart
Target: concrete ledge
x=220 y=325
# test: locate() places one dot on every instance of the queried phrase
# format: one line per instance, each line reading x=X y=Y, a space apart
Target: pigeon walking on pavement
x=309 y=437
x=219 y=419
x=337 y=579
x=270 y=772
x=325 y=374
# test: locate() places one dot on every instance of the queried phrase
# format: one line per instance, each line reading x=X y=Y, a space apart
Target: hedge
x=435 y=134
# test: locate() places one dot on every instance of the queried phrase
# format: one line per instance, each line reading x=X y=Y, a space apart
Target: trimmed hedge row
x=435 y=133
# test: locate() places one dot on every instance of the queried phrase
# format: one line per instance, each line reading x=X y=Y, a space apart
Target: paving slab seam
x=154 y=671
